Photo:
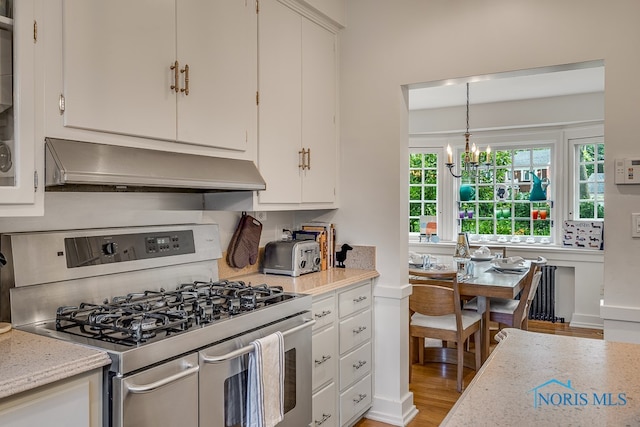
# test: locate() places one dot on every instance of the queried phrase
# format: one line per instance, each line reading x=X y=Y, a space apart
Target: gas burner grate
x=138 y=317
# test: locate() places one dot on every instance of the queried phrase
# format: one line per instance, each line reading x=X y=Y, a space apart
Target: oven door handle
x=146 y=388
x=249 y=348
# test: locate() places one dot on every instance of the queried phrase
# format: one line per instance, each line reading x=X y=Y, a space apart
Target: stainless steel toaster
x=291 y=257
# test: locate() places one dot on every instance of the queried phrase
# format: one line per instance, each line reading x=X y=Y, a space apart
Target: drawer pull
x=359 y=299
x=360 y=364
x=324 y=359
x=325 y=417
x=360 y=329
x=360 y=398
x=323 y=314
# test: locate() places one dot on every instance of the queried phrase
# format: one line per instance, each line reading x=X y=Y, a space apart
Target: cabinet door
x=116 y=66
x=71 y=402
x=18 y=158
x=218 y=41
x=279 y=117
x=319 y=112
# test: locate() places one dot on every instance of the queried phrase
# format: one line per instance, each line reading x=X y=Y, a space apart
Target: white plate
x=509 y=267
x=481 y=258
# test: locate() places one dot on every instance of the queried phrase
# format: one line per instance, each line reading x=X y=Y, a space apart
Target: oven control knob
x=110 y=248
x=316 y=260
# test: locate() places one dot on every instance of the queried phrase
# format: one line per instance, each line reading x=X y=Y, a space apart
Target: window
x=589 y=179
x=499 y=207
x=500 y=204
x=423 y=188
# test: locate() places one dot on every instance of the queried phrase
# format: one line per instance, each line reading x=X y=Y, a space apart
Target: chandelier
x=471 y=163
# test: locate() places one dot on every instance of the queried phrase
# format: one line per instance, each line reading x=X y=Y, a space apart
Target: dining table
x=484 y=283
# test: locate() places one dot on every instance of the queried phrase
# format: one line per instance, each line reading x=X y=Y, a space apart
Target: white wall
x=388 y=44
x=69 y=210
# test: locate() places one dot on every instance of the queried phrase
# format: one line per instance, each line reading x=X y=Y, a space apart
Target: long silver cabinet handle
x=146 y=388
x=324 y=359
x=325 y=417
x=360 y=364
x=322 y=314
x=249 y=348
x=360 y=398
x=360 y=298
x=360 y=329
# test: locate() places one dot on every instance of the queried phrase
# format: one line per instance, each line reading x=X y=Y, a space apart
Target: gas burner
x=138 y=317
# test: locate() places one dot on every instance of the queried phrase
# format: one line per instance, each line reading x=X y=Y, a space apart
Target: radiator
x=543 y=306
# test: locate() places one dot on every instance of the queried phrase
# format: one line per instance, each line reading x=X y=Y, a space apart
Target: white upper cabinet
x=173 y=70
x=218 y=41
x=116 y=56
x=297 y=140
x=19 y=159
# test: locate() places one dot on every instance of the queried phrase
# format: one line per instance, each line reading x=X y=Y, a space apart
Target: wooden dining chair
x=514 y=313
x=435 y=312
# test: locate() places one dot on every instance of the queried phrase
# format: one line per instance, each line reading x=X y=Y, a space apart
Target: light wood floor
x=434 y=384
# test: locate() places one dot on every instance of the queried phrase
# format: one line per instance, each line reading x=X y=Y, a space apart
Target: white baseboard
x=586 y=321
x=394 y=413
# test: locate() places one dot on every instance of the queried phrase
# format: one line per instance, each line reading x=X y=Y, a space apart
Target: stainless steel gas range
x=178 y=337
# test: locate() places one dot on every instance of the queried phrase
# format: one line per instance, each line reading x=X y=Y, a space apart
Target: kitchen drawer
x=354 y=300
x=324 y=312
x=355 y=400
x=325 y=357
x=325 y=412
x=354 y=331
x=355 y=365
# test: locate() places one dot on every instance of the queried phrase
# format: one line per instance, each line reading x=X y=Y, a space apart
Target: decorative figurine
x=539 y=189
x=341 y=255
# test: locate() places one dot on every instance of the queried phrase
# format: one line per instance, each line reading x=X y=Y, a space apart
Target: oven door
x=223 y=376
x=165 y=395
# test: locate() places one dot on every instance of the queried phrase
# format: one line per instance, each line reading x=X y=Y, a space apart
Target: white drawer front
x=355 y=365
x=324 y=312
x=355 y=400
x=325 y=412
x=354 y=300
x=355 y=331
x=325 y=357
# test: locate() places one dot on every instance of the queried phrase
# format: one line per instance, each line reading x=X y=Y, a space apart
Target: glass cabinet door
x=18 y=38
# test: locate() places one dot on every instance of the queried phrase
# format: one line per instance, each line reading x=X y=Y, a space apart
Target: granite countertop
x=542 y=380
x=312 y=283
x=28 y=361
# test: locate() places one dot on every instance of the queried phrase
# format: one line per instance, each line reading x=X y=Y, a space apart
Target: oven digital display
x=163 y=240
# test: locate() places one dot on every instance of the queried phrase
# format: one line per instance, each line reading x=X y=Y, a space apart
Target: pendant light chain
x=467 y=107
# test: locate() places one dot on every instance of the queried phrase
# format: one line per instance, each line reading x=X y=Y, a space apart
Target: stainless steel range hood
x=85 y=166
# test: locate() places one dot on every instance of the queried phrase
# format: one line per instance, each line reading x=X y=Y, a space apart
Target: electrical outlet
x=279 y=231
x=635 y=225
x=261 y=216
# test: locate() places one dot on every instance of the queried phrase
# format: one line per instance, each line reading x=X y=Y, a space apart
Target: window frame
x=573 y=138
x=562 y=189
x=514 y=143
x=439 y=152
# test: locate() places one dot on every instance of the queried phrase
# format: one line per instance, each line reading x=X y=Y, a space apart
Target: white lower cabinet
x=324 y=357
x=324 y=407
x=343 y=355
x=355 y=401
x=357 y=364
x=74 y=402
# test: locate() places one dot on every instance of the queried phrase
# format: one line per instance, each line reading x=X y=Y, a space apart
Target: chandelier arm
x=450 y=167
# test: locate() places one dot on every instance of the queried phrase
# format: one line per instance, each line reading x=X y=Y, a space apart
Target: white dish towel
x=265 y=394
